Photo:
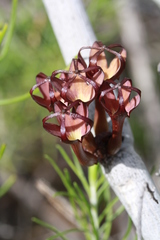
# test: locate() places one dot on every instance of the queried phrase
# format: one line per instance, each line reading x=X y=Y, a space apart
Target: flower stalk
x=92 y=177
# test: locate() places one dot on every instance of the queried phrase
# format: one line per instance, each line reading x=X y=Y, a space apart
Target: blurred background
x=34 y=49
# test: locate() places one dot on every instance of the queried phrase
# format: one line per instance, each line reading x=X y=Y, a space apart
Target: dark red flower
x=118 y=105
x=68 y=95
x=122 y=104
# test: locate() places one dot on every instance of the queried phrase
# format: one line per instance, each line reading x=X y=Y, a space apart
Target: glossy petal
x=45 y=87
x=133 y=104
x=127 y=89
x=76 y=128
x=109 y=101
x=78 y=83
x=122 y=104
x=98 y=57
x=73 y=122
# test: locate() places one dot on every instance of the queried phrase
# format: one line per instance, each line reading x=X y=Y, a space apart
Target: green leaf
x=10 y=30
x=63 y=194
x=117 y=213
x=103 y=188
x=88 y=212
x=107 y=209
x=80 y=174
x=61 y=175
x=65 y=233
x=100 y=181
x=3 y=32
x=129 y=228
x=48 y=226
x=55 y=230
x=2 y=149
x=7 y=185
x=67 y=175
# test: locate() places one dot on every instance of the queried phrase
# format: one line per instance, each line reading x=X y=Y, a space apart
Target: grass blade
x=74 y=169
x=2 y=149
x=48 y=226
x=3 y=32
x=129 y=228
x=7 y=185
x=10 y=30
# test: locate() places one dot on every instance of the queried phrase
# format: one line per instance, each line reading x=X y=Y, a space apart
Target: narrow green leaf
x=3 y=32
x=74 y=169
x=48 y=226
x=100 y=181
x=77 y=164
x=103 y=188
x=7 y=185
x=63 y=194
x=61 y=175
x=108 y=224
x=65 y=233
x=55 y=237
x=107 y=209
x=10 y=30
x=2 y=149
x=129 y=228
x=117 y=213
x=83 y=201
x=67 y=175
x=136 y=238
x=88 y=213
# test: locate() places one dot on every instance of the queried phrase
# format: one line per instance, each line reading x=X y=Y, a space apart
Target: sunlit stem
x=92 y=177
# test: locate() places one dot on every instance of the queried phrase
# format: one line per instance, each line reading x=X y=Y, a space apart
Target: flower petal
x=80 y=90
x=77 y=127
x=108 y=100
x=126 y=85
x=132 y=104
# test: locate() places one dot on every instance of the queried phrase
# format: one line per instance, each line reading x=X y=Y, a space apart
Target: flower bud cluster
x=68 y=94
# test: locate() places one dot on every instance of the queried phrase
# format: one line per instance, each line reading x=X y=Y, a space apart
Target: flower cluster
x=68 y=94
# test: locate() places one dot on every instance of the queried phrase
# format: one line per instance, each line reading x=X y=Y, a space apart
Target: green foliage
x=8 y=33
x=3 y=32
x=91 y=201
x=7 y=185
x=5 y=39
x=10 y=181
x=2 y=149
x=55 y=230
